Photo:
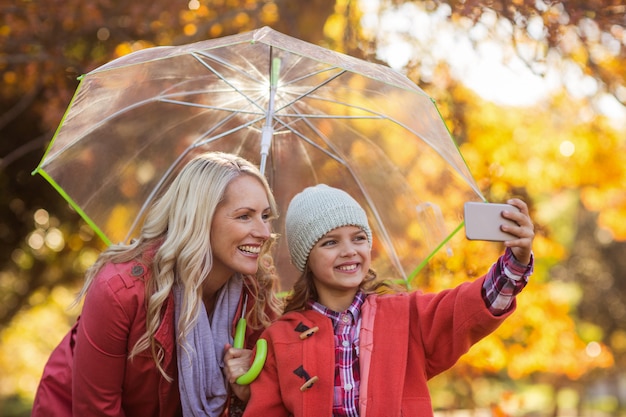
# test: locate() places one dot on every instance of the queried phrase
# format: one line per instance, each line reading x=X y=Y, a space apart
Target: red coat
x=89 y=373
x=405 y=340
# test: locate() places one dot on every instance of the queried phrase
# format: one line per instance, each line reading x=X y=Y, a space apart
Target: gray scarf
x=202 y=385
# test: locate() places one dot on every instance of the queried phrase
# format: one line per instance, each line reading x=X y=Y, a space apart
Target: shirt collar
x=354 y=309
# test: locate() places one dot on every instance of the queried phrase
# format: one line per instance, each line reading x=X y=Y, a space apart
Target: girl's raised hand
x=525 y=231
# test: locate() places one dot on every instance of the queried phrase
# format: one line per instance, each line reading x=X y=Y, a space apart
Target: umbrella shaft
x=268 y=130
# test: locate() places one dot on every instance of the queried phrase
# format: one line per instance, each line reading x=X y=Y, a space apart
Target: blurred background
x=533 y=91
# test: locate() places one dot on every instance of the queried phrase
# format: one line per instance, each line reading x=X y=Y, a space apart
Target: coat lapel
x=384 y=340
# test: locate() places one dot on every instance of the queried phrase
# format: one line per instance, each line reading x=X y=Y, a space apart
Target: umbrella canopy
x=303 y=113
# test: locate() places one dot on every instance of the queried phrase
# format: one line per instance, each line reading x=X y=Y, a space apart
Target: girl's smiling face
x=339 y=262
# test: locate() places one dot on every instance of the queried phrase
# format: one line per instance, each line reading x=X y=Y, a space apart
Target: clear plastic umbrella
x=303 y=113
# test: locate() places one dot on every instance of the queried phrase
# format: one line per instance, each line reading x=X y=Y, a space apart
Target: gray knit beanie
x=316 y=211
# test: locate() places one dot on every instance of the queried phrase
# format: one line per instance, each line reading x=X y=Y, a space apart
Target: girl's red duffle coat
x=405 y=339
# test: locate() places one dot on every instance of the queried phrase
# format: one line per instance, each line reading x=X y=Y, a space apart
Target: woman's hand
x=236 y=363
x=525 y=231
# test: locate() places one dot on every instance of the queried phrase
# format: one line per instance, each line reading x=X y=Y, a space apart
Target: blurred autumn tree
x=577 y=199
x=587 y=33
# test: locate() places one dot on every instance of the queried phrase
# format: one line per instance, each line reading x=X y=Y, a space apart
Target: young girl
x=343 y=350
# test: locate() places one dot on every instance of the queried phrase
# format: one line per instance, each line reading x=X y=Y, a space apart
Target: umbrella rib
x=311 y=90
x=307 y=140
x=197 y=55
x=228 y=132
x=375 y=114
x=314 y=73
x=221 y=77
x=209 y=107
x=330 y=116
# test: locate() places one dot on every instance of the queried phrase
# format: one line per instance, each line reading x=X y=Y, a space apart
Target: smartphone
x=483 y=221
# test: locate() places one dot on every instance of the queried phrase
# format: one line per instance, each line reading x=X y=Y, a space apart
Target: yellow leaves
x=541 y=337
x=27 y=343
x=128 y=47
x=190 y=29
x=613 y=220
x=618 y=341
x=335 y=27
x=119 y=219
x=241 y=19
x=5 y=31
x=188 y=16
x=9 y=77
x=269 y=13
x=611 y=205
x=216 y=30
x=549 y=249
x=548 y=153
x=563 y=297
x=490 y=355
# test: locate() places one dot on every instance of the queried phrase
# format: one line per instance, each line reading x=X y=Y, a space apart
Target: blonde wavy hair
x=178 y=226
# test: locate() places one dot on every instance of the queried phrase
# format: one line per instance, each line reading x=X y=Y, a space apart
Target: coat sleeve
x=265 y=398
x=101 y=350
x=450 y=322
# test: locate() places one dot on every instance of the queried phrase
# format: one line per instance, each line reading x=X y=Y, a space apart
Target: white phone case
x=483 y=221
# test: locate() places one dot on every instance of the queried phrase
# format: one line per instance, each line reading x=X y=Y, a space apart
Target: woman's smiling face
x=240 y=227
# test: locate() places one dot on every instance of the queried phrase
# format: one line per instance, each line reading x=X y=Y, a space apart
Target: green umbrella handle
x=240 y=333
x=259 y=359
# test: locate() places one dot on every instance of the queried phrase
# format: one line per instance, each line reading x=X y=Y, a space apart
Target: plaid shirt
x=505 y=279
x=347 y=375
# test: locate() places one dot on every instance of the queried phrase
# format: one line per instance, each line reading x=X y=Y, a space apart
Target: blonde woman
x=155 y=334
